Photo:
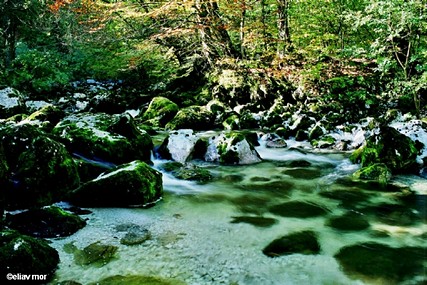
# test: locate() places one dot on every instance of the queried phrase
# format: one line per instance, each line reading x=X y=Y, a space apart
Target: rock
x=21 y=253
x=273 y=140
x=46 y=117
x=380 y=262
x=135 y=234
x=232 y=123
x=192 y=172
x=377 y=172
x=41 y=169
x=250 y=204
x=393 y=214
x=112 y=138
x=301 y=122
x=255 y=221
x=160 y=111
x=136 y=280
x=350 y=221
x=396 y=151
x=282 y=187
x=179 y=145
x=96 y=253
x=231 y=148
x=47 y=222
x=90 y=169
x=304 y=242
x=298 y=209
x=324 y=142
x=11 y=102
x=303 y=173
x=348 y=198
x=194 y=117
x=33 y=106
x=316 y=132
x=129 y=185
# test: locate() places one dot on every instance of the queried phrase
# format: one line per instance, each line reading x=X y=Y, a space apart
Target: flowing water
x=210 y=233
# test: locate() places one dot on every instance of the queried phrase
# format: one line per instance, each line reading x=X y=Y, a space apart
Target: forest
x=355 y=52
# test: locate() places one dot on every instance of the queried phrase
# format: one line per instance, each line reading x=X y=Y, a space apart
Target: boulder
x=179 y=145
x=112 y=138
x=48 y=116
x=11 y=102
x=160 y=111
x=395 y=150
x=23 y=254
x=194 y=117
x=304 y=242
x=256 y=221
x=377 y=172
x=41 y=169
x=134 y=184
x=231 y=123
x=47 y=222
x=350 y=221
x=231 y=148
x=302 y=123
x=382 y=263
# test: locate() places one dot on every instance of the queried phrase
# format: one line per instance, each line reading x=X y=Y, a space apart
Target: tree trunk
x=284 y=43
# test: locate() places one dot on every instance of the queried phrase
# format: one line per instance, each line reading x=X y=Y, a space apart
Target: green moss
x=193 y=117
x=20 y=253
x=378 y=172
x=137 y=280
x=160 y=111
x=232 y=123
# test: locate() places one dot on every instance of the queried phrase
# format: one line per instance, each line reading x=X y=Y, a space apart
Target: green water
x=214 y=233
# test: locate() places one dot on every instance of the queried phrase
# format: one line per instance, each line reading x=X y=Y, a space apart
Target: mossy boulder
x=304 y=242
x=112 y=138
x=21 y=253
x=298 y=209
x=387 y=265
x=41 y=169
x=11 y=102
x=160 y=111
x=47 y=117
x=377 y=172
x=395 y=150
x=231 y=123
x=137 y=280
x=47 y=222
x=231 y=148
x=350 y=221
x=90 y=169
x=324 y=142
x=194 y=117
x=128 y=185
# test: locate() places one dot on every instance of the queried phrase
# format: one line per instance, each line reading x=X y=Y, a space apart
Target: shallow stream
x=214 y=233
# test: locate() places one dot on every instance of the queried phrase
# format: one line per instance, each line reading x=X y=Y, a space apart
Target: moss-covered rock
x=304 y=242
x=24 y=254
x=350 y=221
x=135 y=234
x=231 y=148
x=393 y=214
x=179 y=145
x=193 y=117
x=348 y=198
x=323 y=142
x=112 y=138
x=377 y=172
x=11 y=102
x=48 y=116
x=132 y=184
x=90 y=169
x=231 y=123
x=395 y=150
x=298 y=209
x=137 y=280
x=41 y=169
x=47 y=222
x=160 y=111
x=192 y=172
x=387 y=265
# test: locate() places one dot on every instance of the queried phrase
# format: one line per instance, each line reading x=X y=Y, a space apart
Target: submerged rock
x=348 y=198
x=298 y=209
x=41 y=169
x=255 y=221
x=112 y=138
x=350 y=221
x=95 y=254
x=379 y=261
x=135 y=234
x=304 y=242
x=303 y=173
x=377 y=172
x=231 y=148
x=132 y=184
x=137 y=280
x=21 y=253
x=393 y=214
x=47 y=222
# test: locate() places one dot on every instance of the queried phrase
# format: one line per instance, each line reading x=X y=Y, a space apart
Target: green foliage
x=38 y=71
